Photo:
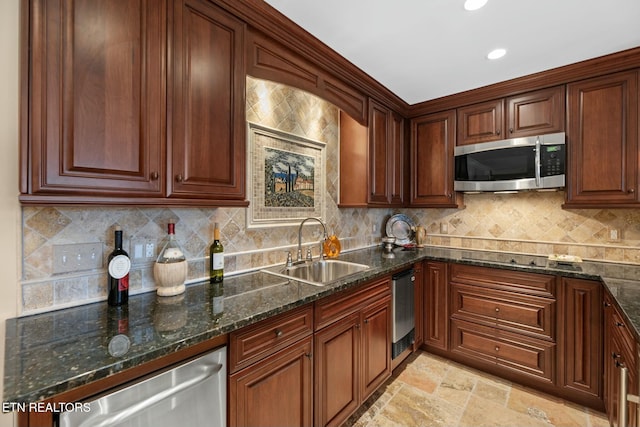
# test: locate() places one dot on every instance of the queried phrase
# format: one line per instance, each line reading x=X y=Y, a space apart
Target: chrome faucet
x=324 y=228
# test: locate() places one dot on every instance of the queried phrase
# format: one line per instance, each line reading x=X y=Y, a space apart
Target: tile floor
x=427 y=390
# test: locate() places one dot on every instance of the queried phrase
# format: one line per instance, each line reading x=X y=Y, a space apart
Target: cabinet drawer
x=338 y=306
x=507 y=310
x=513 y=352
x=255 y=342
x=516 y=281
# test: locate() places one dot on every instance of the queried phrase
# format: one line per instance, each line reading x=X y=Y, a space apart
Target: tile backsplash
x=530 y=222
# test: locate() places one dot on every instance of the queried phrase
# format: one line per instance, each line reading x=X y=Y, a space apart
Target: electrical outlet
x=614 y=234
x=444 y=228
x=149 y=250
x=77 y=257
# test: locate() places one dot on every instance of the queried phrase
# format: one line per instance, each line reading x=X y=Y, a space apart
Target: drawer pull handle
x=620 y=324
x=278 y=333
x=497 y=309
x=497 y=348
x=309 y=355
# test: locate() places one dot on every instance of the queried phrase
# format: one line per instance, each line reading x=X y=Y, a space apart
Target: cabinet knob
x=179 y=178
x=497 y=309
x=366 y=321
x=510 y=130
x=497 y=348
x=619 y=364
x=154 y=176
x=620 y=324
x=606 y=304
x=631 y=190
x=278 y=333
x=615 y=355
x=498 y=132
x=309 y=355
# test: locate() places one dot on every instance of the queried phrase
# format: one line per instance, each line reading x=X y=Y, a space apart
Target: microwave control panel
x=552 y=160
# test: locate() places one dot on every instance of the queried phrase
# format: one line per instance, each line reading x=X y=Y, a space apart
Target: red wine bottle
x=119 y=266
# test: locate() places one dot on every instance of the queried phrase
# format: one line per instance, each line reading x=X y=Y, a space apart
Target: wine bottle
x=216 y=257
x=119 y=266
x=170 y=270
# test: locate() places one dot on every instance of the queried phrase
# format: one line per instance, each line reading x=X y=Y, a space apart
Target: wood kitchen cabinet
x=207 y=143
x=619 y=351
x=271 y=367
x=531 y=113
x=96 y=99
x=504 y=321
x=435 y=300
x=602 y=142
x=112 y=119
x=580 y=339
x=352 y=350
x=432 y=162
x=386 y=156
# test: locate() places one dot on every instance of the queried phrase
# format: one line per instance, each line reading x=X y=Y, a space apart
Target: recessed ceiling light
x=496 y=53
x=474 y=4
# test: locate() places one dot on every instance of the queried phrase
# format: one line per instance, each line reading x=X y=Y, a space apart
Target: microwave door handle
x=537 y=161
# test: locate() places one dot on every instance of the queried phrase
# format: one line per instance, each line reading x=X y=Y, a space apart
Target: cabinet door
x=581 y=336
x=379 y=160
x=376 y=346
x=480 y=123
x=353 y=162
x=535 y=113
x=431 y=153
x=620 y=350
x=602 y=141
x=96 y=98
x=276 y=391
x=435 y=303
x=336 y=371
x=419 y=306
x=207 y=143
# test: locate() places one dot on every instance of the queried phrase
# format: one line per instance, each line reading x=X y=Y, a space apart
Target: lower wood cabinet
x=271 y=366
x=619 y=351
x=580 y=337
x=537 y=329
x=435 y=302
x=276 y=391
x=353 y=350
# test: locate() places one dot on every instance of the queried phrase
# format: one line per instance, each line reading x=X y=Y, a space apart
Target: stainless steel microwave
x=530 y=163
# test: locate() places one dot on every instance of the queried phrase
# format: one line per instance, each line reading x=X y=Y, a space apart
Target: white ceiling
x=426 y=49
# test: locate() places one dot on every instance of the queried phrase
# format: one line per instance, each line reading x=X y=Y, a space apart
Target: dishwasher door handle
x=210 y=369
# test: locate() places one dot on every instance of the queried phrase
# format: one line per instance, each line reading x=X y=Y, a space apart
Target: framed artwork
x=285 y=177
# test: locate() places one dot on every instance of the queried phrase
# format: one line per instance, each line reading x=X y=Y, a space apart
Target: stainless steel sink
x=319 y=272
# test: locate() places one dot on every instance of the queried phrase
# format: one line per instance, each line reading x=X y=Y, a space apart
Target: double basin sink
x=320 y=272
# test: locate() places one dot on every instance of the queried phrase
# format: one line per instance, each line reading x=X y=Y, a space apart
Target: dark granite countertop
x=50 y=353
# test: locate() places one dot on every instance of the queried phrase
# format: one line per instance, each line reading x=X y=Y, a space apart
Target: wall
x=9 y=206
x=530 y=222
x=272 y=105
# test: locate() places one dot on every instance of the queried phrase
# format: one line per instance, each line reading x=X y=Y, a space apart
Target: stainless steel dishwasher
x=403 y=312
x=192 y=394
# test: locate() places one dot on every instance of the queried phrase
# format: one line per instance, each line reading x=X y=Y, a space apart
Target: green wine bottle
x=216 y=257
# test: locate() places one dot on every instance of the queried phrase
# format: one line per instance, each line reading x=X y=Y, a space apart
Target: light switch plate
x=77 y=257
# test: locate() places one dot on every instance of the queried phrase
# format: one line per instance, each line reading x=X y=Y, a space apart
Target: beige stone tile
x=456 y=387
x=551 y=409
x=597 y=419
x=485 y=413
x=412 y=407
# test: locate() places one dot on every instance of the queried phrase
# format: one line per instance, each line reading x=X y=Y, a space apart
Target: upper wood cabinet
x=95 y=97
x=532 y=113
x=602 y=142
x=207 y=143
x=386 y=156
x=111 y=118
x=432 y=164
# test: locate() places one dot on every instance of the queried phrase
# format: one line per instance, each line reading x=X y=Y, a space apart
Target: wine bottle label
x=218 y=261
x=173 y=253
x=123 y=283
x=119 y=266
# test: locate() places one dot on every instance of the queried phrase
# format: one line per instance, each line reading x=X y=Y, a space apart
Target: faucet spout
x=324 y=228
